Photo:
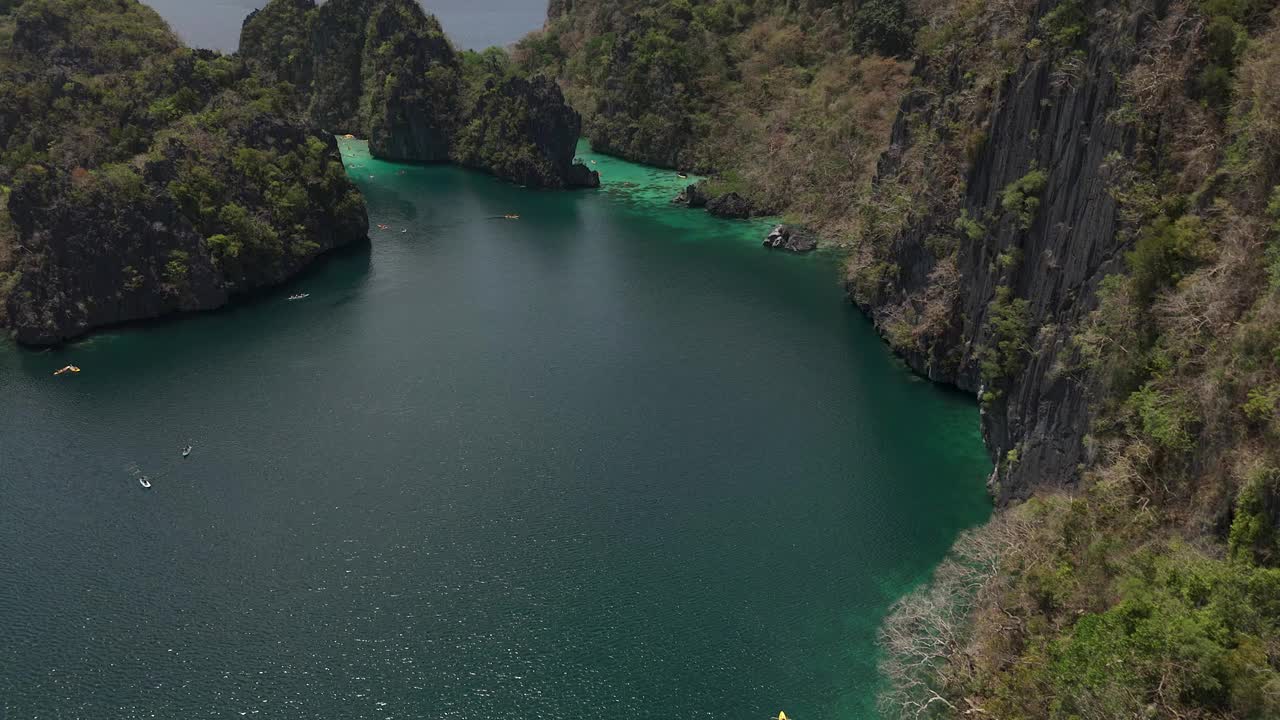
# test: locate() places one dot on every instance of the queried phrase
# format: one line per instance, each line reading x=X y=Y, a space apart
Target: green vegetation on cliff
x=1146 y=585
x=1075 y=213
x=383 y=69
x=143 y=178
x=781 y=101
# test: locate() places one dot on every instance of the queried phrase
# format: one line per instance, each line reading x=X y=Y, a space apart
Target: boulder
x=693 y=196
x=580 y=175
x=791 y=238
x=731 y=205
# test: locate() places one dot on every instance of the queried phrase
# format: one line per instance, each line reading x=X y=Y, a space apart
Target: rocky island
x=140 y=178
x=384 y=70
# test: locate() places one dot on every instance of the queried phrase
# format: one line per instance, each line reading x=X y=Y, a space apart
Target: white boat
x=187 y=451
x=144 y=482
x=300 y=296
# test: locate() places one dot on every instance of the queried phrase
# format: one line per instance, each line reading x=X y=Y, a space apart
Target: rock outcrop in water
x=730 y=205
x=383 y=69
x=793 y=239
x=166 y=181
x=521 y=129
x=693 y=196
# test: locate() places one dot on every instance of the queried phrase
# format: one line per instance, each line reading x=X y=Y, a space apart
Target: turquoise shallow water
x=612 y=460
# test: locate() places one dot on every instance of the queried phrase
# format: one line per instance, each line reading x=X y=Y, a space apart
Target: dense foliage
x=1150 y=590
x=103 y=114
x=383 y=69
x=503 y=129
x=1142 y=582
x=788 y=104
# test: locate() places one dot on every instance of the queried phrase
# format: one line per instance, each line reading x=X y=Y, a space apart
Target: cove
x=611 y=460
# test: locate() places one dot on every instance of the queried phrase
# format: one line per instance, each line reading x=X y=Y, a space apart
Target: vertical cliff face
x=522 y=130
x=100 y=249
x=336 y=44
x=382 y=69
x=91 y=260
x=1056 y=117
x=414 y=83
x=279 y=36
x=984 y=287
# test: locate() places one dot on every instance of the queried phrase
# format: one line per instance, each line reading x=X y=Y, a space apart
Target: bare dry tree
x=924 y=639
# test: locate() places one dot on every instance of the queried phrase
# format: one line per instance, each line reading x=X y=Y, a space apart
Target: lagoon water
x=611 y=460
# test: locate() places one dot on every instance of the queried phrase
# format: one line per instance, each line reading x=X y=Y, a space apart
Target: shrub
x=1065 y=24
x=1252 y=537
x=1185 y=624
x=969 y=226
x=176 y=270
x=1008 y=331
x=1260 y=408
x=1164 y=417
x=1022 y=196
x=122 y=181
x=883 y=26
x=1164 y=252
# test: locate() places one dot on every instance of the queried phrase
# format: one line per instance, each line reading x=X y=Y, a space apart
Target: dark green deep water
x=610 y=461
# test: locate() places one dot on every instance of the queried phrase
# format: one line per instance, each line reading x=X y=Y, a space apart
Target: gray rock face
x=91 y=264
x=580 y=175
x=1069 y=247
x=98 y=259
x=732 y=206
x=793 y=239
x=523 y=131
x=414 y=82
x=693 y=196
x=277 y=38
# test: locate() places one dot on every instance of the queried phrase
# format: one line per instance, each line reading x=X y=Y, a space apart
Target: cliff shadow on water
x=333 y=280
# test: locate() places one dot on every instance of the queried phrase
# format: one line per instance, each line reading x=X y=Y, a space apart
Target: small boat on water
x=187 y=451
x=67 y=369
x=299 y=296
x=682 y=176
x=144 y=482
x=511 y=217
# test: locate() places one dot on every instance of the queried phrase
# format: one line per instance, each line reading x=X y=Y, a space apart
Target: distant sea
x=472 y=24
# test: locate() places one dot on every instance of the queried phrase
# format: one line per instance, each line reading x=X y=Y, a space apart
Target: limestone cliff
x=98 y=252
x=522 y=130
x=140 y=178
x=1033 y=232
x=383 y=69
x=1074 y=216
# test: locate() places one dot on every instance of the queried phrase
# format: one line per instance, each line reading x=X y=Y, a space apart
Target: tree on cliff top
x=146 y=177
